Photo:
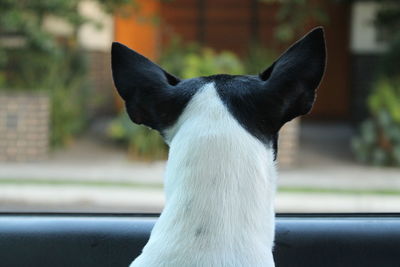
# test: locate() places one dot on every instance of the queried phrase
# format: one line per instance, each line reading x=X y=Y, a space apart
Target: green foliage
x=258 y=58
x=143 y=143
x=190 y=60
x=379 y=139
x=386 y=97
x=208 y=62
x=63 y=78
x=65 y=82
x=31 y=58
x=293 y=16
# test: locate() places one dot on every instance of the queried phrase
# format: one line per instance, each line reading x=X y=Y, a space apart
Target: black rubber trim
x=97 y=239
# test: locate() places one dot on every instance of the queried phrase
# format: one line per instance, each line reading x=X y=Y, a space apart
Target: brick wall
x=24 y=126
x=288 y=144
x=102 y=94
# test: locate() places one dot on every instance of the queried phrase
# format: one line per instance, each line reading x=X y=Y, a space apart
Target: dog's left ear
x=292 y=80
x=149 y=92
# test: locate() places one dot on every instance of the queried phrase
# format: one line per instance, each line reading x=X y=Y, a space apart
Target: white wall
x=364 y=36
x=57 y=26
x=90 y=36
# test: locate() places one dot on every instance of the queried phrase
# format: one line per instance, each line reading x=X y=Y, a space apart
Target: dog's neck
x=219 y=184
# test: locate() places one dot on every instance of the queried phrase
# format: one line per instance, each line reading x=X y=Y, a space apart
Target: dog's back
x=222 y=131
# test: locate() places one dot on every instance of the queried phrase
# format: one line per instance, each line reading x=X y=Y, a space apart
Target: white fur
x=220 y=184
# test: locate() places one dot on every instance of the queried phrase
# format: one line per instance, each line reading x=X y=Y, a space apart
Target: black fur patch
x=248 y=102
x=263 y=104
x=153 y=97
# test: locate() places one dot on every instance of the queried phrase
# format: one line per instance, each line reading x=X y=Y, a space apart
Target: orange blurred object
x=139 y=31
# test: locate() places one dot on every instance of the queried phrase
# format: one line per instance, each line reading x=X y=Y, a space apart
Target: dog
x=222 y=131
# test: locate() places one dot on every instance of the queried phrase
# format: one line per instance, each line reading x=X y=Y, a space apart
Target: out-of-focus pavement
x=324 y=165
x=148 y=196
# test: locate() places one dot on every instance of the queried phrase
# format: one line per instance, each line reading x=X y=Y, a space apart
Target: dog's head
x=260 y=103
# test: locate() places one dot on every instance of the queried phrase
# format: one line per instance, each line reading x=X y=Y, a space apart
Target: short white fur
x=220 y=183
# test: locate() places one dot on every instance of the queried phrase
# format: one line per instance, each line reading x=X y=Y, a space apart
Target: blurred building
x=353 y=42
x=354 y=45
x=232 y=25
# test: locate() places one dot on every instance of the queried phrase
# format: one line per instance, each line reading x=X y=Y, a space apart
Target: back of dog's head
x=260 y=103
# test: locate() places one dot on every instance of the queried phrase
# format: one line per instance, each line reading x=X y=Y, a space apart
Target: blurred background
x=67 y=145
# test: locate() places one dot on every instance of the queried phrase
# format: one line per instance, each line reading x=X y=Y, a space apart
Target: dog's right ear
x=293 y=79
x=142 y=84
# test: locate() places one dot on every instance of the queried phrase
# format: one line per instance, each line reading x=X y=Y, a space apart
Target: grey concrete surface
x=325 y=162
x=112 y=199
x=335 y=177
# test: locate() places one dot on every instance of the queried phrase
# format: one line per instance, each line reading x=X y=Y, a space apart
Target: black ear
x=145 y=87
x=294 y=77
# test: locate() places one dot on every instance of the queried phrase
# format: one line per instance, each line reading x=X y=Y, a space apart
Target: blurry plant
x=191 y=60
x=294 y=15
x=65 y=83
x=172 y=55
x=378 y=141
x=34 y=58
x=258 y=58
x=143 y=143
x=63 y=77
x=208 y=62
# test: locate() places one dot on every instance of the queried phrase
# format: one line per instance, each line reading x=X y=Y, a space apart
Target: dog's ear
x=145 y=87
x=293 y=79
